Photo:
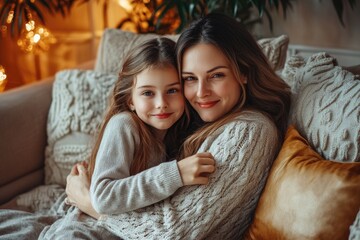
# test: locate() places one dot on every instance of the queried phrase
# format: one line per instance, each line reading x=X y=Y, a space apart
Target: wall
x=315 y=23
x=310 y=22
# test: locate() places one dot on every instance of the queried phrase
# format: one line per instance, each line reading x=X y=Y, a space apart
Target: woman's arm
x=244 y=151
x=77 y=190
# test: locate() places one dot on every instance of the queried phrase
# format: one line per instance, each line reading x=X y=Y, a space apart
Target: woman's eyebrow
x=216 y=68
x=211 y=70
x=174 y=83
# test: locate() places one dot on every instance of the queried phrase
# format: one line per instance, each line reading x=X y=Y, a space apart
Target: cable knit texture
x=325 y=106
x=275 y=50
x=244 y=150
x=80 y=98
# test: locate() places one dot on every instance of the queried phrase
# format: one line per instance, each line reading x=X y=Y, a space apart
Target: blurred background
x=40 y=37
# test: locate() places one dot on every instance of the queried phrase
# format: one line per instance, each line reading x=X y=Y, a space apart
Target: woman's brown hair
x=264 y=91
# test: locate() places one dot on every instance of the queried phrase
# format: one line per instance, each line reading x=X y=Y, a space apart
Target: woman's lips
x=207 y=104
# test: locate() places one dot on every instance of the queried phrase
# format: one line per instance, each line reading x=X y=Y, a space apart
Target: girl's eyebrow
x=150 y=86
x=209 y=71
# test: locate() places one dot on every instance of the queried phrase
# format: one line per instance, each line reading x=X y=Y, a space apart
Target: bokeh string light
x=35 y=38
x=3 y=78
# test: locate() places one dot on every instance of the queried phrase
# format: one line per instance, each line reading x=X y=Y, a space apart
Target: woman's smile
x=207 y=104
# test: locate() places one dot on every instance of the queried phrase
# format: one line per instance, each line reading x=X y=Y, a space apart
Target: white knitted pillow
x=326 y=106
x=116 y=43
x=275 y=49
x=79 y=99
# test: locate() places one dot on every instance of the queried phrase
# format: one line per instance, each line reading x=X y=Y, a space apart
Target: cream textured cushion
x=115 y=44
x=79 y=100
x=275 y=49
x=326 y=106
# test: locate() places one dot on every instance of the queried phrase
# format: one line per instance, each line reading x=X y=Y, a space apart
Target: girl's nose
x=161 y=102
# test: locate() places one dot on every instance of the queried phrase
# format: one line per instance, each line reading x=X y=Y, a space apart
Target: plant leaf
x=338 y=5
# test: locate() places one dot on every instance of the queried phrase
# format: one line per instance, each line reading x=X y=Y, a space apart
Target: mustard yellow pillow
x=306 y=197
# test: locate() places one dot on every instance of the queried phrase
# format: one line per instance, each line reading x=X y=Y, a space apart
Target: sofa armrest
x=23 y=120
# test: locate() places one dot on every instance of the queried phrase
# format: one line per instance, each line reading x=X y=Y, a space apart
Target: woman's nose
x=203 y=89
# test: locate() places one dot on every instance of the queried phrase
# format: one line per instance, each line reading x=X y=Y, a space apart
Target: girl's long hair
x=155 y=53
x=264 y=91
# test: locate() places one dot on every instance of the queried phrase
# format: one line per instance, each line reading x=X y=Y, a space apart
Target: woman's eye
x=147 y=93
x=188 y=78
x=218 y=75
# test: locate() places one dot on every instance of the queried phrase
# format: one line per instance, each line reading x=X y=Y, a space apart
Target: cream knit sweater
x=244 y=151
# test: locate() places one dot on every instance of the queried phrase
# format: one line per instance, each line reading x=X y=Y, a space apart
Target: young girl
x=147 y=101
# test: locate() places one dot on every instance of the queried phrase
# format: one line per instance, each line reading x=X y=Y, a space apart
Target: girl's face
x=209 y=82
x=157 y=97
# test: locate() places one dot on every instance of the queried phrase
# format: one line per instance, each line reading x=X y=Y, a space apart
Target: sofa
x=312 y=192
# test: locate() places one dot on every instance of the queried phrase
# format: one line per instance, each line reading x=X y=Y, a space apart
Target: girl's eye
x=218 y=75
x=147 y=93
x=172 y=91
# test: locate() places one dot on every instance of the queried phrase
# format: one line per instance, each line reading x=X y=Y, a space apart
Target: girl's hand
x=196 y=169
x=78 y=190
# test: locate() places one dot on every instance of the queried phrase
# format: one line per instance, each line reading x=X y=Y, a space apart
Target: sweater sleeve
x=112 y=189
x=244 y=151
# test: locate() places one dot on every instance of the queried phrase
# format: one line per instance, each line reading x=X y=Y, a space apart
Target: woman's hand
x=196 y=168
x=78 y=189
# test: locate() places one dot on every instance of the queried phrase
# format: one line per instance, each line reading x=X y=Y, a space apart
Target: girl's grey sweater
x=113 y=190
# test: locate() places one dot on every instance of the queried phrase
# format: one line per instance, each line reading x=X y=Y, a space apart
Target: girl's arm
x=244 y=151
x=113 y=190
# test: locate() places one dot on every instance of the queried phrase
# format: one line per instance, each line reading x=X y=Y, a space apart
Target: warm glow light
x=30 y=25
x=2 y=78
x=2 y=73
x=126 y=5
x=10 y=17
x=35 y=39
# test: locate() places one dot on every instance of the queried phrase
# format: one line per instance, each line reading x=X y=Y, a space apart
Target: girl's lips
x=207 y=104
x=162 y=115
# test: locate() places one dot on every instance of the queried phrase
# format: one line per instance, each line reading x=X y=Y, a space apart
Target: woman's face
x=209 y=82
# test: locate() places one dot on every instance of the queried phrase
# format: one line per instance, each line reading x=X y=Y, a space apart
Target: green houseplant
x=248 y=12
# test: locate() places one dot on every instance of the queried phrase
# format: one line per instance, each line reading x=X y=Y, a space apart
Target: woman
x=239 y=114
